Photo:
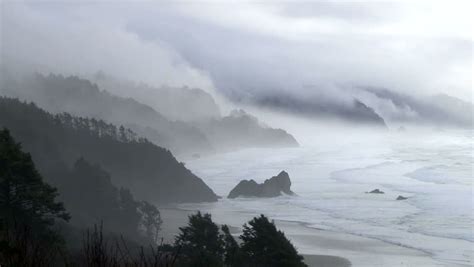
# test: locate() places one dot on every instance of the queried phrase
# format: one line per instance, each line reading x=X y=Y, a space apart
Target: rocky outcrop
x=401 y=198
x=375 y=191
x=273 y=187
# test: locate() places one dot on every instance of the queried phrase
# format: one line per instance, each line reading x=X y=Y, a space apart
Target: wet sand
x=319 y=247
x=358 y=250
x=175 y=218
x=326 y=261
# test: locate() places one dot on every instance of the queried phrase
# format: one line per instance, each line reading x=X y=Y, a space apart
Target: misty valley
x=245 y=134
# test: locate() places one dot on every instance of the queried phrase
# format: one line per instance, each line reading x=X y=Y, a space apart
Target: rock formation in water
x=401 y=198
x=273 y=187
x=376 y=191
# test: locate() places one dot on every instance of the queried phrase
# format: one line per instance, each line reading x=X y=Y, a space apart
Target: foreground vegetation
x=35 y=228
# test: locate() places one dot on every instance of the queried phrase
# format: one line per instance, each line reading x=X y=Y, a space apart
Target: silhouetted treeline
x=203 y=243
x=34 y=229
x=91 y=198
x=33 y=223
x=99 y=128
x=56 y=142
x=80 y=97
x=202 y=134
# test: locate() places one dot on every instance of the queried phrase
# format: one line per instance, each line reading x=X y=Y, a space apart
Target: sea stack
x=375 y=191
x=273 y=187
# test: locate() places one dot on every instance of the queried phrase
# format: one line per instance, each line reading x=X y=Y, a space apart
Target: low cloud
x=73 y=38
x=246 y=48
x=273 y=47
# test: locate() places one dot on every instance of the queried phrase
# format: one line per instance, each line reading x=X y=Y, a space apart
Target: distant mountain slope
x=198 y=108
x=175 y=103
x=462 y=110
x=354 y=111
x=438 y=110
x=241 y=129
x=56 y=94
x=80 y=97
x=151 y=172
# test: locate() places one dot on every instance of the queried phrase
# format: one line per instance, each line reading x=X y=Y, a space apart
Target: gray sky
x=421 y=47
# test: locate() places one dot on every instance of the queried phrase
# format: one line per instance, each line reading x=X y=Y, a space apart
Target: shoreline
x=359 y=250
x=318 y=247
x=174 y=217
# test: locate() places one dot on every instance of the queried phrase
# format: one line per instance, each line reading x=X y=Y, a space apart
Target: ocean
x=331 y=174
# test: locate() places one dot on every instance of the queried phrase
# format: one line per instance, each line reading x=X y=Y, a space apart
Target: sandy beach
x=358 y=250
x=319 y=247
x=174 y=218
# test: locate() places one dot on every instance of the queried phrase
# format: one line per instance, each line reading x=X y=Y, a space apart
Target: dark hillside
x=151 y=172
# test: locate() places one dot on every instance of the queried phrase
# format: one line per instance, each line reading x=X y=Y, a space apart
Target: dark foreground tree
x=264 y=245
x=28 y=209
x=233 y=255
x=200 y=242
x=151 y=220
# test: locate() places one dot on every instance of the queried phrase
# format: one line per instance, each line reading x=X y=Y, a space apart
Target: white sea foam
x=331 y=178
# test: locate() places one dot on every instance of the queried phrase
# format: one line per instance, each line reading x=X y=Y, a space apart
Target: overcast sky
x=422 y=47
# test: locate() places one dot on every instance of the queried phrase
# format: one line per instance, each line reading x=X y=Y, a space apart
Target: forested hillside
x=41 y=225
x=240 y=129
x=57 y=141
x=80 y=97
x=202 y=130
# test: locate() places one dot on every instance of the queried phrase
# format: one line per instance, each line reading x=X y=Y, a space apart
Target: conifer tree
x=264 y=245
x=28 y=208
x=200 y=242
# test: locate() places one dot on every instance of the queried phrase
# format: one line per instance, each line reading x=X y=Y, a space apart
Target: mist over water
x=172 y=104
x=331 y=174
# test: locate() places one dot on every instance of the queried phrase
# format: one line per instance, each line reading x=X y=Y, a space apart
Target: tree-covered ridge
x=199 y=131
x=99 y=128
x=34 y=229
x=91 y=198
x=58 y=141
x=240 y=129
x=81 y=97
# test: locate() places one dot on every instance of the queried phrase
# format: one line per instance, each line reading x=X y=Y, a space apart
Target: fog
x=360 y=62
x=77 y=38
x=248 y=53
x=344 y=122
x=277 y=46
